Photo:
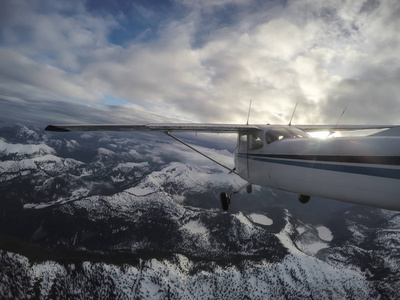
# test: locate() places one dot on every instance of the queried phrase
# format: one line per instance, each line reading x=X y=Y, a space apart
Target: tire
x=304 y=199
x=249 y=188
x=225 y=201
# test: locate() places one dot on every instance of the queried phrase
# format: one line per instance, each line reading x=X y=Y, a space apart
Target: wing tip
x=55 y=128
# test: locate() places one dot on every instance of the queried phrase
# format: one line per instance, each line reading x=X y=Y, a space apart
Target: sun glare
x=320 y=134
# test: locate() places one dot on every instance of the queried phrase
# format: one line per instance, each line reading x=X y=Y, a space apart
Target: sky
x=199 y=61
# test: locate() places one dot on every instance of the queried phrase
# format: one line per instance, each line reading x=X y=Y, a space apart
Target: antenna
x=290 y=122
x=341 y=116
x=248 y=114
x=337 y=123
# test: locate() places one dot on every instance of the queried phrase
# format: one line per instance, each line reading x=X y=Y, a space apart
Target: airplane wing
x=163 y=127
x=203 y=127
x=334 y=128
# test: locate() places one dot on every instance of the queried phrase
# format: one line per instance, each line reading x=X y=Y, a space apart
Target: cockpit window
x=277 y=134
x=298 y=133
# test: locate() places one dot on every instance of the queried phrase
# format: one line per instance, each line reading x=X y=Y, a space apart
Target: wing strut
x=201 y=153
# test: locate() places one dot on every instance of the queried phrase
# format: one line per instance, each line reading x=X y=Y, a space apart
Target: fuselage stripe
x=328 y=165
x=380 y=160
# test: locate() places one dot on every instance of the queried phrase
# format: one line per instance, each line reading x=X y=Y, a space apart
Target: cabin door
x=249 y=143
x=243 y=151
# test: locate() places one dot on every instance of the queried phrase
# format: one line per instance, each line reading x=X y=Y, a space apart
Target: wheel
x=225 y=201
x=249 y=188
x=304 y=199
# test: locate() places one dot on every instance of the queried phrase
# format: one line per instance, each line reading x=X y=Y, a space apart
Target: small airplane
x=362 y=169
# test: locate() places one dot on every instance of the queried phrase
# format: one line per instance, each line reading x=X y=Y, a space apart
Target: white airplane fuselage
x=362 y=170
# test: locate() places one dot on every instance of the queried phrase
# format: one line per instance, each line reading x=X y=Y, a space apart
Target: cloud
x=19 y=72
x=61 y=34
x=363 y=98
x=204 y=61
x=370 y=68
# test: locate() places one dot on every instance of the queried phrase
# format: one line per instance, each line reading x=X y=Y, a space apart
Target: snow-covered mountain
x=138 y=217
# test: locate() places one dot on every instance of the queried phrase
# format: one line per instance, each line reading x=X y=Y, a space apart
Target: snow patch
x=85 y=136
x=261 y=219
x=179 y=198
x=71 y=145
x=141 y=191
x=285 y=239
x=324 y=233
x=48 y=158
x=128 y=166
x=21 y=149
x=301 y=229
x=76 y=195
x=195 y=227
x=104 y=151
x=313 y=248
x=134 y=153
x=242 y=218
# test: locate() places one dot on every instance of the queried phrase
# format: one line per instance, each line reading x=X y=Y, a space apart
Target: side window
x=255 y=142
x=243 y=142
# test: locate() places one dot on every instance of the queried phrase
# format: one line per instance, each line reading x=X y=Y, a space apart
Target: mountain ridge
x=100 y=197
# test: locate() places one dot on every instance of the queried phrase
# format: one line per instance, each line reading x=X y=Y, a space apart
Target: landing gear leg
x=303 y=198
x=225 y=201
